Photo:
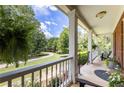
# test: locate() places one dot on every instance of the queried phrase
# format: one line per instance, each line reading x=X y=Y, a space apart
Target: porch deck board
x=87 y=72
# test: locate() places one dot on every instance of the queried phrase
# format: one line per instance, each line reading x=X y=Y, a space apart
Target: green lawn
x=40 y=61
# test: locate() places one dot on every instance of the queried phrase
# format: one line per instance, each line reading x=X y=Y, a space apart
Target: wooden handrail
x=21 y=72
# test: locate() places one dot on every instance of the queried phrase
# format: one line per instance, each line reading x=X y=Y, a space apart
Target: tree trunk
x=17 y=64
x=25 y=63
x=7 y=65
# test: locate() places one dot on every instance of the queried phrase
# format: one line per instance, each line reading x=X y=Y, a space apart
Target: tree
x=16 y=26
x=82 y=41
x=103 y=42
x=52 y=44
x=63 y=42
x=39 y=42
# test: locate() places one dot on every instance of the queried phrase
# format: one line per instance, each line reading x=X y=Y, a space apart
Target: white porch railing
x=52 y=74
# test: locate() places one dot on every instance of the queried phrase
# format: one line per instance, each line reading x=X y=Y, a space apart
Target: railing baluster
x=10 y=83
x=56 y=76
x=60 y=74
x=32 y=79
x=40 y=77
x=70 y=76
x=63 y=74
x=23 y=81
x=51 y=76
x=66 y=72
x=46 y=76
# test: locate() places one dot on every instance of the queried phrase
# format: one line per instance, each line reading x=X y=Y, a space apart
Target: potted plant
x=116 y=79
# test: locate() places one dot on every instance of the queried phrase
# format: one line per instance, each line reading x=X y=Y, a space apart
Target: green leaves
x=39 y=42
x=116 y=80
x=17 y=24
x=52 y=44
x=63 y=42
x=82 y=57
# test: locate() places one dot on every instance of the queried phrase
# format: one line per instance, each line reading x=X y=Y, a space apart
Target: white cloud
x=45 y=30
x=51 y=23
x=48 y=34
x=43 y=26
x=54 y=23
x=65 y=26
x=52 y=8
x=48 y=22
x=41 y=10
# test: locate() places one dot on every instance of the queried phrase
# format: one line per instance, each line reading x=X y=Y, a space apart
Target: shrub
x=36 y=83
x=106 y=62
x=116 y=80
x=55 y=82
x=82 y=57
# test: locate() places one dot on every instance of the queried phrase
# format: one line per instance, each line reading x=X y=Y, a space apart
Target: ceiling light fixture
x=101 y=14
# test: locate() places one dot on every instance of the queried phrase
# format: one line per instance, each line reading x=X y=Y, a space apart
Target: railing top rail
x=20 y=72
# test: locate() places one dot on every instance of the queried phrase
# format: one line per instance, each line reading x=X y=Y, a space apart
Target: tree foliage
x=52 y=44
x=82 y=41
x=39 y=42
x=63 y=42
x=16 y=26
x=103 y=42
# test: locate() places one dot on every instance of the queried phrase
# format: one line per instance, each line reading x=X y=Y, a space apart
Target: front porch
x=64 y=72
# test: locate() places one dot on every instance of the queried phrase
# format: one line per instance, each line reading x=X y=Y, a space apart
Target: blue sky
x=52 y=20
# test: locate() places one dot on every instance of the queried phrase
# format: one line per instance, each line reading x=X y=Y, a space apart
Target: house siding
x=118 y=37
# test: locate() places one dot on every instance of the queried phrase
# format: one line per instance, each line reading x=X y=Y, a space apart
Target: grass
x=40 y=61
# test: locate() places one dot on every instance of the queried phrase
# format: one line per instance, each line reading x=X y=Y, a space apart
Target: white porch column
x=90 y=46
x=73 y=42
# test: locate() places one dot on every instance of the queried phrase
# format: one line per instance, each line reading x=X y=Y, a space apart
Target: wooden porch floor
x=87 y=72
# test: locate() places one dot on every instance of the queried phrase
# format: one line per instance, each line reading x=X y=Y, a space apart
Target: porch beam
x=73 y=43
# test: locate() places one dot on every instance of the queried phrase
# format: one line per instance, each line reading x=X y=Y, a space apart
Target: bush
x=55 y=82
x=116 y=80
x=36 y=83
x=82 y=57
x=106 y=62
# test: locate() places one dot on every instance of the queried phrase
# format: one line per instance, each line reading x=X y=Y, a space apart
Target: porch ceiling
x=105 y=25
